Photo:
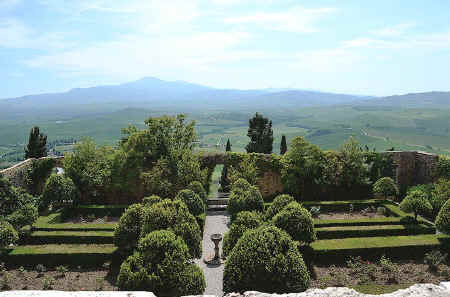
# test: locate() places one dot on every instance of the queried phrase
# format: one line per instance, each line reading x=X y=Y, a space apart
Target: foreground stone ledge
x=75 y=294
x=419 y=290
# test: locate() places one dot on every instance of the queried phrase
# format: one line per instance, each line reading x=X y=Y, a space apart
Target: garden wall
x=411 y=168
x=17 y=173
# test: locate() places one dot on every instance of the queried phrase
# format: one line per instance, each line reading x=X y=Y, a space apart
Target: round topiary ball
x=174 y=216
x=128 y=230
x=297 y=222
x=162 y=266
x=278 y=204
x=8 y=235
x=245 y=220
x=443 y=218
x=149 y=201
x=250 y=200
x=24 y=216
x=265 y=260
x=198 y=189
x=416 y=202
x=192 y=201
x=385 y=187
x=59 y=188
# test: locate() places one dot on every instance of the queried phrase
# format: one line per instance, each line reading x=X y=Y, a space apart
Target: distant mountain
x=175 y=96
x=413 y=100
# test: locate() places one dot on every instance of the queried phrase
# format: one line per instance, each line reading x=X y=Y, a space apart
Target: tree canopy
x=261 y=135
x=37 y=144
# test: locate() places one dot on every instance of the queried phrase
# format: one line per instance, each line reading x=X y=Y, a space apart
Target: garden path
x=216 y=222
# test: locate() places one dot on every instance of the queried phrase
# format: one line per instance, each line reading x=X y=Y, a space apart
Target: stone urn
x=214 y=259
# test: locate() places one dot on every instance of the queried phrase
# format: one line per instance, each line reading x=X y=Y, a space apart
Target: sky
x=381 y=47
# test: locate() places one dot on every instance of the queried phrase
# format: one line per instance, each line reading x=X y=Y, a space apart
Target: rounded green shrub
x=161 y=265
x=440 y=195
x=245 y=220
x=417 y=203
x=149 y=201
x=278 y=204
x=385 y=187
x=173 y=216
x=24 y=216
x=128 y=230
x=59 y=189
x=133 y=275
x=240 y=185
x=265 y=260
x=443 y=218
x=297 y=222
x=198 y=189
x=192 y=201
x=249 y=199
x=8 y=235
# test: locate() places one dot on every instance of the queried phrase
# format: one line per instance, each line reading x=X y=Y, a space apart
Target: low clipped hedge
x=266 y=260
x=371 y=231
x=97 y=210
x=371 y=248
x=67 y=237
x=61 y=254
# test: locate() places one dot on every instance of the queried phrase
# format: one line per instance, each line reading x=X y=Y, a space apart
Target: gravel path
x=216 y=222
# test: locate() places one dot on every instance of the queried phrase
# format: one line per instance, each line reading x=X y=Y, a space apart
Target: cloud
x=395 y=30
x=132 y=56
x=296 y=19
x=15 y=34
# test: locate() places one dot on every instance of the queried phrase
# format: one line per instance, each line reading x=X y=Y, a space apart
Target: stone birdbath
x=214 y=259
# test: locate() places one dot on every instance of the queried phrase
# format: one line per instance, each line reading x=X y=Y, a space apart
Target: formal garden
x=132 y=217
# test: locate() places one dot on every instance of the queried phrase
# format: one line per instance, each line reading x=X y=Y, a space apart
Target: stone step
x=217 y=207
x=223 y=195
x=218 y=201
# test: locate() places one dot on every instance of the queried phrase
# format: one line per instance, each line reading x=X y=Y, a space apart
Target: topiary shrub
x=417 y=203
x=385 y=187
x=161 y=265
x=443 y=218
x=192 y=201
x=198 y=189
x=278 y=204
x=245 y=220
x=173 y=216
x=59 y=189
x=149 y=201
x=24 y=216
x=8 y=235
x=129 y=228
x=440 y=195
x=249 y=199
x=297 y=222
x=240 y=185
x=265 y=260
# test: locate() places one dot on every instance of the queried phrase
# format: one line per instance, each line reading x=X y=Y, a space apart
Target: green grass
x=372 y=231
x=215 y=179
x=53 y=221
x=378 y=242
x=63 y=249
x=375 y=289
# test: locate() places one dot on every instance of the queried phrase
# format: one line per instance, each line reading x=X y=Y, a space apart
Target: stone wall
x=17 y=173
x=412 y=168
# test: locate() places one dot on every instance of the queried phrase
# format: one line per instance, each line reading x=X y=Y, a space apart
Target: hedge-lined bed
x=58 y=254
x=52 y=222
x=98 y=210
x=398 y=247
x=69 y=237
x=373 y=231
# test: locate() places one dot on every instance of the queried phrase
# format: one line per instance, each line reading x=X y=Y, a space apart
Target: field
x=379 y=128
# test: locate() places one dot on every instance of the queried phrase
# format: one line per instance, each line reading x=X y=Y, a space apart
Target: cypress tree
x=261 y=135
x=224 y=182
x=283 y=146
x=37 y=144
